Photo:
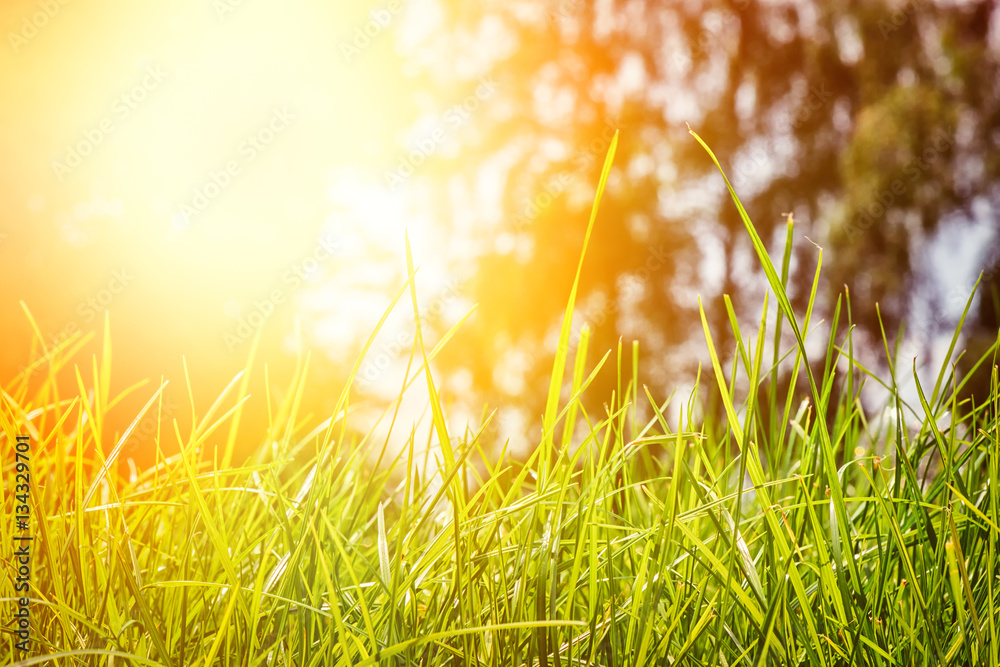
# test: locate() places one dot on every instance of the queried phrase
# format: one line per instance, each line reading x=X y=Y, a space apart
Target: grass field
x=800 y=528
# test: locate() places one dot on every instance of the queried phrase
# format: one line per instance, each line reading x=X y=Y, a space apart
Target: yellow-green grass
x=797 y=529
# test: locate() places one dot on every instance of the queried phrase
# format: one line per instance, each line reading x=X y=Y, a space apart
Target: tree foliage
x=875 y=123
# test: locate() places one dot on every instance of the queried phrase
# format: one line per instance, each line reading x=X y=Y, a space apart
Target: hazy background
x=204 y=168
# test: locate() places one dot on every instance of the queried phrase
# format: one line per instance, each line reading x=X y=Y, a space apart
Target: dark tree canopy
x=875 y=123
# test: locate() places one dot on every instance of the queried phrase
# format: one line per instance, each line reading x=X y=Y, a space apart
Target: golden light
x=201 y=169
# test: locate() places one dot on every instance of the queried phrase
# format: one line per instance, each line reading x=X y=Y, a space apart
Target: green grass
x=800 y=528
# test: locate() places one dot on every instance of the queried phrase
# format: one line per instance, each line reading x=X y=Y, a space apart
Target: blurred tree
x=876 y=123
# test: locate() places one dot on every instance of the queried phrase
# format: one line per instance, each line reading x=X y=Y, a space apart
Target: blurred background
x=205 y=169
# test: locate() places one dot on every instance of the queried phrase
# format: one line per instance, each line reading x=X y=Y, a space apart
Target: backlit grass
x=800 y=528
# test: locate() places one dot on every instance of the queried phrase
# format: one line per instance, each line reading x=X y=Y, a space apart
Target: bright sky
x=190 y=166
